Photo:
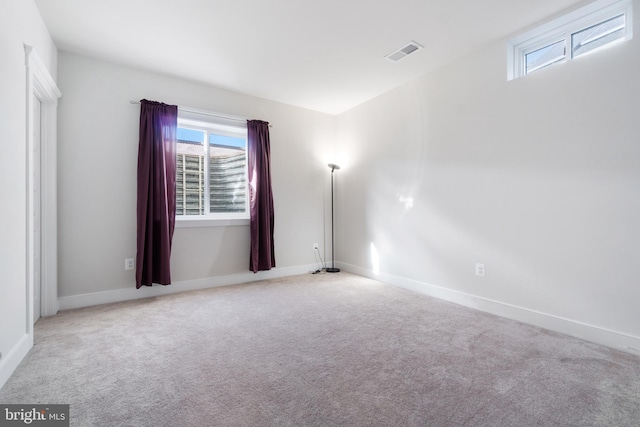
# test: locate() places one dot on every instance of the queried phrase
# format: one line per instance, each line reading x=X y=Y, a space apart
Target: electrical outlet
x=315 y=246
x=479 y=269
x=129 y=264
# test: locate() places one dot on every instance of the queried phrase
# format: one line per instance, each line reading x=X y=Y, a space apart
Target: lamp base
x=332 y=270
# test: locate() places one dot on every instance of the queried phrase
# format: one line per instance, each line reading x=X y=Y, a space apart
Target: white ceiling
x=325 y=55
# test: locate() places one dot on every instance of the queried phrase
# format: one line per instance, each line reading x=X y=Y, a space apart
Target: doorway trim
x=41 y=85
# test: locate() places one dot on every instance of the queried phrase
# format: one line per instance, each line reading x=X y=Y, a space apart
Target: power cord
x=317 y=255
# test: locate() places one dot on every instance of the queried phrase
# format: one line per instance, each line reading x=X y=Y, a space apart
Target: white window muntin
x=563 y=28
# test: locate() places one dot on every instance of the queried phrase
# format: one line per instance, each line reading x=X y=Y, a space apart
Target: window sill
x=210 y=222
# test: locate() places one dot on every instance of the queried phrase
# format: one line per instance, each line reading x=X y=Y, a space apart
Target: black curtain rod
x=205 y=113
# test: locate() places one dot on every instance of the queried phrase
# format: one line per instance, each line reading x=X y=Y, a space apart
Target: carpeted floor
x=318 y=350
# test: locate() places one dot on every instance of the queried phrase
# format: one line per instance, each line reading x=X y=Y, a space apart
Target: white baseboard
x=10 y=361
x=131 y=293
x=596 y=334
x=592 y=333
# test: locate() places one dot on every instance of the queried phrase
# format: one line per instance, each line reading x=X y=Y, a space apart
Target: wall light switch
x=129 y=264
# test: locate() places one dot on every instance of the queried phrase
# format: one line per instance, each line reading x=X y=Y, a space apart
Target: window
x=211 y=179
x=585 y=30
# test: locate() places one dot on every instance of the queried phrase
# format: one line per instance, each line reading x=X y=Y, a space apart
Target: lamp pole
x=333 y=268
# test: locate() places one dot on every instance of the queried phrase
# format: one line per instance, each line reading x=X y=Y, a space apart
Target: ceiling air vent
x=404 y=51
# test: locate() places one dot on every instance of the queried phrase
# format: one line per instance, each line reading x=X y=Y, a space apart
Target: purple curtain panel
x=261 y=198
x=156 y=210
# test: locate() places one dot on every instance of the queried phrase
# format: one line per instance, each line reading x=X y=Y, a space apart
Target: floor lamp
x=333 y=268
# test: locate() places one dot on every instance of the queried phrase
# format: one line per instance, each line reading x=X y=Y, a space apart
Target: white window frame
x=562 y=28
x=219 y=125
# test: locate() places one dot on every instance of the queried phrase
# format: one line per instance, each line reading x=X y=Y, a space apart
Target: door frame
x=41 y=85
x=36 y=211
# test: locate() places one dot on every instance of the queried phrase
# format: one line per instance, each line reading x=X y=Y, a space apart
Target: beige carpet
x=318 y=350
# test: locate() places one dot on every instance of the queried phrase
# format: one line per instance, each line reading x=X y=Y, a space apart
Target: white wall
x=98 y=139
x=20 y=23
x=538 y=178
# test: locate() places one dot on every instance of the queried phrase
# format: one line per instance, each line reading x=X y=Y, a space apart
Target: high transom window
x=592 y=27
